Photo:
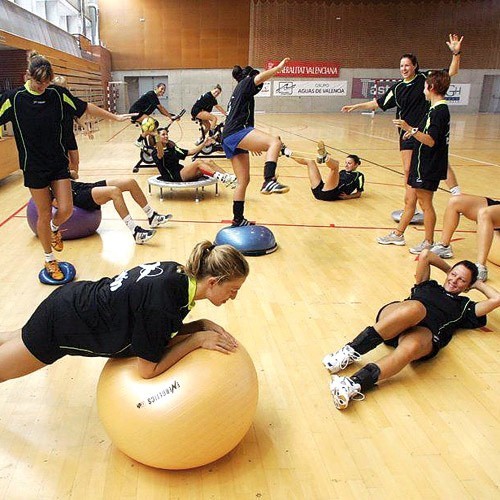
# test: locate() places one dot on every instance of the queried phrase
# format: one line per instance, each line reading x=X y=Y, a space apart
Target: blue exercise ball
x=81 y=224
x=249 y=240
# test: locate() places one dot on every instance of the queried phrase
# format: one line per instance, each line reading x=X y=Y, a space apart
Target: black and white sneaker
x=343 y=390
x=229 y=180
x=242 y=222
x=284 y=151
x=142 y=235
x=158 y=220
x=273 y=186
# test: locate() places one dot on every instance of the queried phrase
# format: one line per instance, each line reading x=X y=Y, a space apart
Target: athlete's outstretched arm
x=265 y=75
x=94 y=110
x=370 y=105
x=454 y=45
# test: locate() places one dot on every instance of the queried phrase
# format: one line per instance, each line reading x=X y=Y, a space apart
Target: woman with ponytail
x=139 y=312
x=240 y=137
x=38 y=112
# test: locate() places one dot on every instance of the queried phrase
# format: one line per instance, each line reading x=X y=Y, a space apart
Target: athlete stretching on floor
x=418 y=327
x=91 y=195
x=345 y=184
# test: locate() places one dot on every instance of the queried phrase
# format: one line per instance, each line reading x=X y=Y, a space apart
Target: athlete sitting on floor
x=91 y=195
x=418 y=327
x=345 y=184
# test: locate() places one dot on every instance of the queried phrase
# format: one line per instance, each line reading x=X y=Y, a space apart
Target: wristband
x=414 y=131
x=457 y=53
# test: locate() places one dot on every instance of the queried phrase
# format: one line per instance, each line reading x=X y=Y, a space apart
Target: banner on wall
x=304 y=88
x=458 y=94
x=307 y=69
x=369 y=88
x=266 y=90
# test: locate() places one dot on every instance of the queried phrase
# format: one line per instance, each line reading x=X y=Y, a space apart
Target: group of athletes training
x=125 y=316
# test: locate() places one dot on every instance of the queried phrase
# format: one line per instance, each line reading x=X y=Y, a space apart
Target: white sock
x=148 y=211
x=49 y=257
x=53 y=227
x=130 y=223
x=455 y=190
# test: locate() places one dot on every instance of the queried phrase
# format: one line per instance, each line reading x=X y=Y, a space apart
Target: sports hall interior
x=433 y=430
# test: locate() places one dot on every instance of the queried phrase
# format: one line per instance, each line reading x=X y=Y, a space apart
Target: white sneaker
x=482 y=272
x=341 y=359
x=229 y=180
x=142 y=235
x=420 y=248
x=392 y=239
x=343 y=389
x=158 y=220
x=445 y=252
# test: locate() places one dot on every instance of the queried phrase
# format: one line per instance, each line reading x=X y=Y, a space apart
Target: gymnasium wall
x=12 y=69
x=366 y=38
x=374 y=34
x=152 y=34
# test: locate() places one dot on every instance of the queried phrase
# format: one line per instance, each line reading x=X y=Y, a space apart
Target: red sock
x=206 y=172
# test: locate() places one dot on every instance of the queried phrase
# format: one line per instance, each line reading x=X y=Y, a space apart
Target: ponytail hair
x=61 y=81
x=223 y=262
x=237 y=73
x=413 y=59
x=39 y=68
x=356 y=159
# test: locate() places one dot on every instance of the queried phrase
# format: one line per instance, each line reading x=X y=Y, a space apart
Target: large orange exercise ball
x=193 y=414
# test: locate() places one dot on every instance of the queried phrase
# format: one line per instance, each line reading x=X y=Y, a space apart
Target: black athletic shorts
x=38 y=333
x=419 y=183
x=172 y=176
x=82 y=195
x=42 y=179
x=492 y=202
x=194 y=112
x=405 y=144
x=330 y=195
x=395 y=340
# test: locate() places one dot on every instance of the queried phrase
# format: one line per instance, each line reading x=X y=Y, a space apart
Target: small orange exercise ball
x=190 y=415
x=494 y=255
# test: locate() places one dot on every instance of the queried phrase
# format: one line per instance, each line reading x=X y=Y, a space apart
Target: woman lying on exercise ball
x=139 y=312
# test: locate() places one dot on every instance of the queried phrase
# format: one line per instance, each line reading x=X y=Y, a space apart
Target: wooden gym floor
x=431 y=432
